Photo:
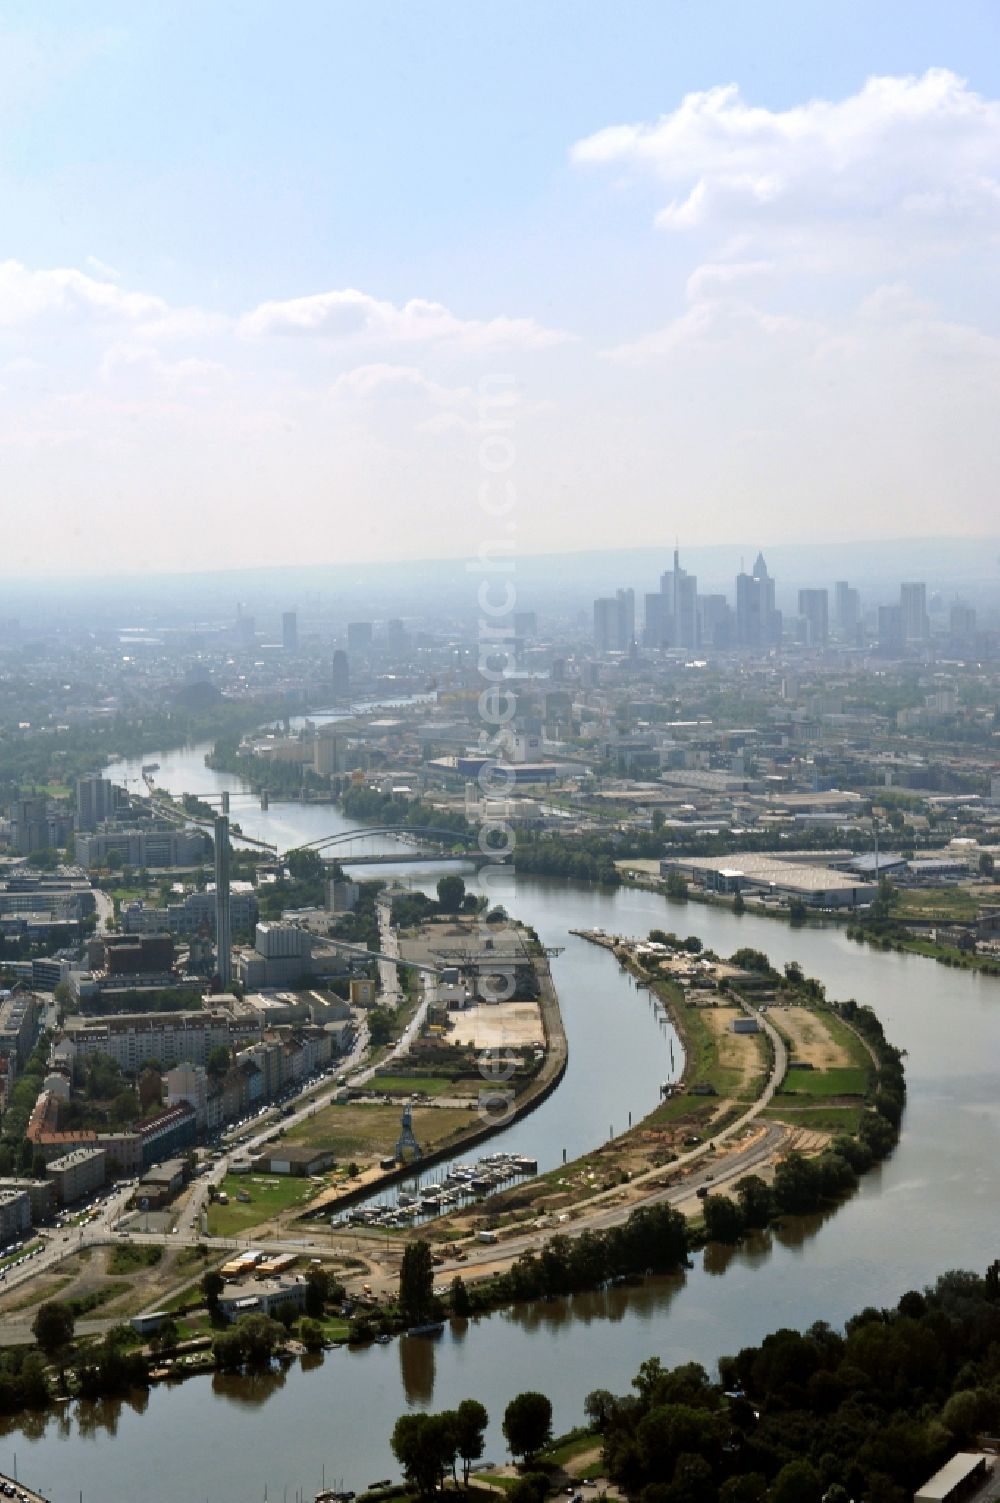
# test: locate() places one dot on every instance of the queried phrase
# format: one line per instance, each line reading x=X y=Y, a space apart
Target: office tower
x=680 y=590
x=614 y=621
x=962 y=621
x=846 y=607
x=758 y=624
x=290 y=631
x=246 y=628
x=657 y=626
x=396 y=640
x=525 y=624
x=341 y=677
x=359 y=636
x=715 y=621
x=891 y=637
x=223 y=918
x=29 y=817
x=97 y=799
x=913 y=610
x=814 y=611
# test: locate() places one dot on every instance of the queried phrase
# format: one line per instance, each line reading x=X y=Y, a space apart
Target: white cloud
x=919 y=155
x=63 y=295
x=349 y=314
x=374 y=380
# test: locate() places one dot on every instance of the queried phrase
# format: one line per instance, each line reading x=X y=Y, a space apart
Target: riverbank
x=492 y=1115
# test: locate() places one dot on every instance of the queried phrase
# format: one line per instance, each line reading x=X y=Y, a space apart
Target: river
x=930 y=1207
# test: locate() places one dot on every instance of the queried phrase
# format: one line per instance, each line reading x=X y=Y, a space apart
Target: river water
x=932 y=1206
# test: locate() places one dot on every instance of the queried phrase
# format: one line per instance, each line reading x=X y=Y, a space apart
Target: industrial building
x=769 y=875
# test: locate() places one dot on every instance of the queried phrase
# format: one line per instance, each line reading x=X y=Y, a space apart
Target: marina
x=461 y=1183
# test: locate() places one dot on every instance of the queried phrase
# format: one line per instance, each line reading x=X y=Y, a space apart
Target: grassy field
x=269 y=1196
x=361 y=1132
x=431 y=1085
x=849 y=1081
x=831 y=1119
x=130 y=1257
x=949 y=904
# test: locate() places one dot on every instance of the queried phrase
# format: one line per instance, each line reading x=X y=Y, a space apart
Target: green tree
x=677 y=887
x=416 y=1282
x=755 y=1200
x=527 y=1424
x=533 y=1487
x=739 y=903
x=470 y=1421
x=212 y=1285
x=461 y=1305
x=53 y=1328
x=451 y=892
x=424 y=1445
x=986 y=864
x=311 y=1334
x=218 y=1062
x=797 y=1482
x=723 y=1219
x=165 y=1339
x=317 y=1292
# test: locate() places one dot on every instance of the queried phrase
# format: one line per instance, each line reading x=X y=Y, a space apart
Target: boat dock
x=18 y=1492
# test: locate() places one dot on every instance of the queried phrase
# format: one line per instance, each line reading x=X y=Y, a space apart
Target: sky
x=310 y=283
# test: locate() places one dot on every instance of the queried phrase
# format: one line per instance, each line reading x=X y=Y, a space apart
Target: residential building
x=15 y=1215
x=76 y=1174
x=290 y=631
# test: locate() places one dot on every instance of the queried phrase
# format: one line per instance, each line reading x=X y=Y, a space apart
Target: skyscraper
x=680 y=590
x=913 y=610
x=846 y=607
x=96 y=800
x=614 y=621
x=341 y=679
x=758 y=624
x=814 y=610
x=359 y=636
x=290 y=631
x=223 y=920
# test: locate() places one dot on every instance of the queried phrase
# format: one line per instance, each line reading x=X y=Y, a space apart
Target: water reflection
x=416 y=1368
x=641 y=1300
x=249 y=1390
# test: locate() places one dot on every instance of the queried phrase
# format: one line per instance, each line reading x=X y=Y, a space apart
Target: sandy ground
x=737 y=1051
x=810 y=1039
x=504 y=1024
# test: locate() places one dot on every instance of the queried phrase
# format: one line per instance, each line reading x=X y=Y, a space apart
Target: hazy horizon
x=734 y=265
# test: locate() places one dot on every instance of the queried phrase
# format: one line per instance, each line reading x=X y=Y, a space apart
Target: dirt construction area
x=502 y=1025
x=740 y=1053
x=809 y=1038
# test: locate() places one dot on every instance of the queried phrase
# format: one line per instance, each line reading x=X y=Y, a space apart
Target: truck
x=487 y=1237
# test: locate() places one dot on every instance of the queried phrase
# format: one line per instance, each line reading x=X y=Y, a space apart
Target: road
x=698 y=1169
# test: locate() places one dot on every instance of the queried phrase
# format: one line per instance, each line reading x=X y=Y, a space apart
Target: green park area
x=270 y=1196
x=363 y=1132
x=428 y=1085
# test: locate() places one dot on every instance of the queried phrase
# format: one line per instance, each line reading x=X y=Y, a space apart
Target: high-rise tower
x=223 y=920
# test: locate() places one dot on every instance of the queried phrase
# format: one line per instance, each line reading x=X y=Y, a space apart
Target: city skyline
x=738 y=269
